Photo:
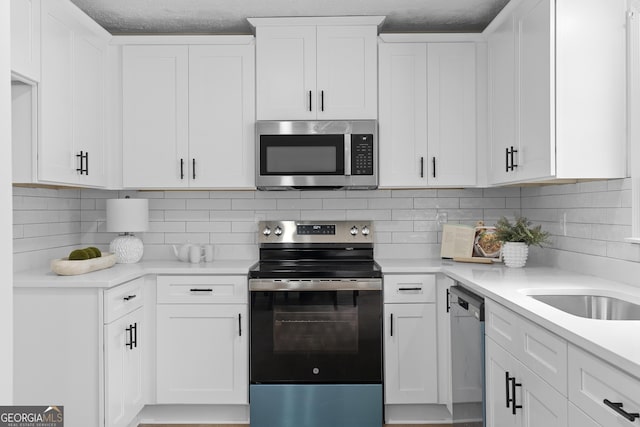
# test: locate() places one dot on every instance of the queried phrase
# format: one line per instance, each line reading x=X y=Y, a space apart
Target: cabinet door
x=202 y=354
x=89 y=83
x=537 y=403
x=286 y=73
x=347 y=72
x=534 y=89
x=155 y=116
x=56 y=156
x=124 y=343
x=502 y=115
x=25 y=38
x=500 y=367
x=221 y=116
x=577 y=418
x=72 y=97
x=403 y=114
x=451 y=89
x=542 y=405
x=411 y=361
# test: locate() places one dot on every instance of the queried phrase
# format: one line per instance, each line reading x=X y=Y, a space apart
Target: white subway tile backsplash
x=254 y=204
x=369 y=214
x=391 y=203
x=344 y=204
x=306 y=204
x=483 y=202
x=208 y=227
x=210 y=204
x=436 y=203
x=186 y=215
x=51 y=221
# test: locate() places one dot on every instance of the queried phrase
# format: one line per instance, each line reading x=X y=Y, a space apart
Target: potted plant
x=517 y=237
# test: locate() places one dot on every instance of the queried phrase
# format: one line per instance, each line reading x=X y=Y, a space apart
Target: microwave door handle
x=347 y=154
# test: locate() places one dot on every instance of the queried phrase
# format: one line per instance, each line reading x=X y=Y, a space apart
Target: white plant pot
x=514 y=254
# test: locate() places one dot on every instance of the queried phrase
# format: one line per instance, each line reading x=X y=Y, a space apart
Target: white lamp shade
x=127 y=215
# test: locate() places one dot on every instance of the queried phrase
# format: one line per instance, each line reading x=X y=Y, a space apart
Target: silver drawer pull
x=201 y=290
x=409 y=289
x=130 y=297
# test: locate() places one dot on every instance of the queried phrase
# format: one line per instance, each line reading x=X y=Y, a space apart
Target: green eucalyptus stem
x=521 y=231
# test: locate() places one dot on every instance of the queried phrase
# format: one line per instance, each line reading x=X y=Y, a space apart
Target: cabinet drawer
x=123 y=299
x=542 y=351
x=409 y=288
x=591 y=381
x=202 y=289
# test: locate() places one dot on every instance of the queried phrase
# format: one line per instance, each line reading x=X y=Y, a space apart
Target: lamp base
x=128 y=249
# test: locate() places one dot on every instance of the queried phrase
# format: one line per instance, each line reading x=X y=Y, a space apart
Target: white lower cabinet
x=202 y=354
x=410 y=340
x=411 y=373
x=577 y=418
x=603 y=393
x=518 y=397
x=84 y=348
x=124 y=345
x=525 y=372
x=202 y=344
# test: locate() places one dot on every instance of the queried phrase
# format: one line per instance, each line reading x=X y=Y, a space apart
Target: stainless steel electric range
x=316 y=326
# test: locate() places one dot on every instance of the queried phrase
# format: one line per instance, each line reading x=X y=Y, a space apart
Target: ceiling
x=229 y=16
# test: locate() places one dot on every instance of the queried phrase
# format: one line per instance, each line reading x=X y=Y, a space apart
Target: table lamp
x=127 y=216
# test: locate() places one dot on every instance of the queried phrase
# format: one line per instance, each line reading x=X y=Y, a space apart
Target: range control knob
x=354 y=230
x=266 y=231
x=277 y=231
x=365 y=231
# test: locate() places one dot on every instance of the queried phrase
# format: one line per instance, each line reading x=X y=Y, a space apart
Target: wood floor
x=246 y=425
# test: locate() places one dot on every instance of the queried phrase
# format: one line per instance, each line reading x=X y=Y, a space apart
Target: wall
x=590 y=218
x=6 y=289
x=48 y=223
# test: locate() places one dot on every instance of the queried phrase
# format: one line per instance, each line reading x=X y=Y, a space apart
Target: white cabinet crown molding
x=318 y=21
x=183 y=40
x=431 y=37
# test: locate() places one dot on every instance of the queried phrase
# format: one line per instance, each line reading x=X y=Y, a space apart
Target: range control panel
x=315 y=232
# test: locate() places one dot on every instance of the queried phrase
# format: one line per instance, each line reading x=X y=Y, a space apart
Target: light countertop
x=121 y=273
x=614 y=341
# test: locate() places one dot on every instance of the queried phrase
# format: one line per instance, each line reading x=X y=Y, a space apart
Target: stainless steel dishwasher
x=466 y=310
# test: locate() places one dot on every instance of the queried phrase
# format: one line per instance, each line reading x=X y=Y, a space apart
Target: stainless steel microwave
x=308 y=155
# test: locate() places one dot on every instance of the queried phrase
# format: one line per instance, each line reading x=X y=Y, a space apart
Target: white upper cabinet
x=427 y=114
x=25 y=38
x=324 y=69
x=557 y=91
x=188 y=115
x=155 y=117
x=71 y=147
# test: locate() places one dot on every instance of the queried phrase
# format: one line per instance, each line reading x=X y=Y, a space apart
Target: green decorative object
x=79 y=255
x=95 y=251
x=521 y=231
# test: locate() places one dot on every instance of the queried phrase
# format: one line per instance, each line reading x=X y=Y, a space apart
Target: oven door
x=317 y=336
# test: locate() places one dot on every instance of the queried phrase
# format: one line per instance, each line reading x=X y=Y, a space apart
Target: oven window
x=302 y=154
x=315 y=329
x=316 y=337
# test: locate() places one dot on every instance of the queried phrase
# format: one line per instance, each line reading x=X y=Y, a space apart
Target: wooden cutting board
x=477 y=260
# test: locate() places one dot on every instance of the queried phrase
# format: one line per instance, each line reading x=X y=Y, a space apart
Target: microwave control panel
x=362 y=154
